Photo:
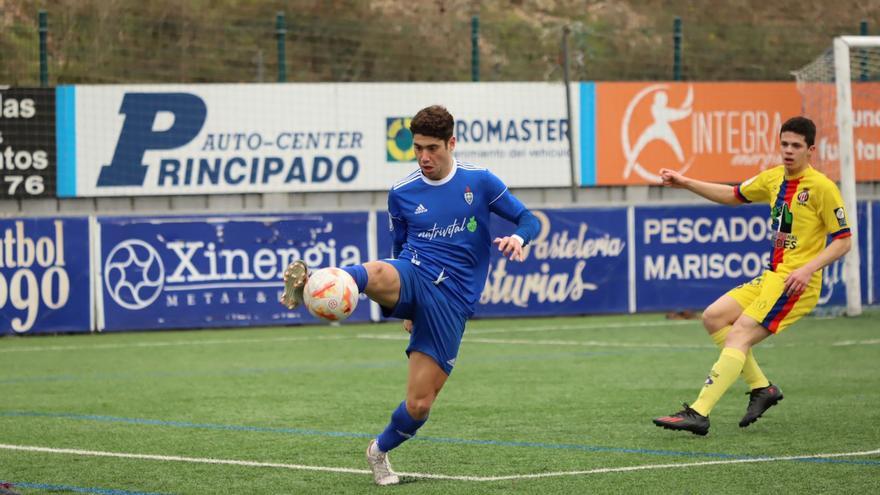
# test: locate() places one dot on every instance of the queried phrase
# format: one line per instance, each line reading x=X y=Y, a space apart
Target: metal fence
x=91 y=47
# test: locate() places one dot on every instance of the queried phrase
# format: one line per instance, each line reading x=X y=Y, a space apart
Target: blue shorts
x=438 y=324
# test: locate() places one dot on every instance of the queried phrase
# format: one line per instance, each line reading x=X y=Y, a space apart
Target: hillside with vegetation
x=153 y=41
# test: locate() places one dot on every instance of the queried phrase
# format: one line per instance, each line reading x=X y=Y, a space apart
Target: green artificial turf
x=527 y=397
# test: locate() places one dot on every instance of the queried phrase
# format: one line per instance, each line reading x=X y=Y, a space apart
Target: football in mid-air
x=330 y=294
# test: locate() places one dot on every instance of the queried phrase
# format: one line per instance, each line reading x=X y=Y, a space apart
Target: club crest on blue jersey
x=468 y=195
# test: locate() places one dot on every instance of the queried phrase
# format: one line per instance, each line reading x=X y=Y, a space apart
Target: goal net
x=840 y=92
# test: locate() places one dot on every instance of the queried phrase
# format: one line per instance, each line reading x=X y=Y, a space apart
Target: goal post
x=827 y=86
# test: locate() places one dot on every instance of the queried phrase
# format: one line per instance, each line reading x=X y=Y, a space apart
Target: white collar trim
x=444 y=180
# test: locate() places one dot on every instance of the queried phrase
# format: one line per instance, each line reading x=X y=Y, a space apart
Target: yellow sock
x=751 y=373
x=721 y=377
x=719 y=336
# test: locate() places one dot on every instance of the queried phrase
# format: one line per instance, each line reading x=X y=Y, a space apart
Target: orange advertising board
x=820 y=104
x=720 y=132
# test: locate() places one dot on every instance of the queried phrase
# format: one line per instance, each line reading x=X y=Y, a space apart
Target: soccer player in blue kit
x=440 y=261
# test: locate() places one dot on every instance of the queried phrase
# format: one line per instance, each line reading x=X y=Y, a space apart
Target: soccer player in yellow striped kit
x=806 y=208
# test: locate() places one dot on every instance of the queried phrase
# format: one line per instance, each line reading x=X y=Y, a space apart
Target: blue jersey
x=442 y=227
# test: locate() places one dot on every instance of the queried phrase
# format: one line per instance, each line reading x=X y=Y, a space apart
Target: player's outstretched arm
x=719 y=193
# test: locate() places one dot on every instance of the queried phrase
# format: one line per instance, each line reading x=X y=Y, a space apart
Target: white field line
x=585 y=343
x=589 y=343
x=591 y=326
x=404 y=336
x=303 y=467
x=857 y=342
x=175 y=343
x=170 y=343
x=645 y=467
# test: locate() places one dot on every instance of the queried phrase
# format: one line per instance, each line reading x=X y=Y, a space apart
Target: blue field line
x=458 y=441
x=78 y=489
x=401 y=363
x=185 y=424
x=123 y=376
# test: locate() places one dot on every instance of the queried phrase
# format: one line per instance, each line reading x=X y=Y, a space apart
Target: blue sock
x=359 y=274
x=401 y=428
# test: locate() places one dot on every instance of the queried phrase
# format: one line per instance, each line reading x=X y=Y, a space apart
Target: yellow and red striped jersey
x=804 y=209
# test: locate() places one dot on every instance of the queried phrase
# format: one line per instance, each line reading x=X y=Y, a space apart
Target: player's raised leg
x=384 y=288
x=295 y=276
x=379 y=280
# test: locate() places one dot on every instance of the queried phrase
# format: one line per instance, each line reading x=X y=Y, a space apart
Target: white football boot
x=378 y=461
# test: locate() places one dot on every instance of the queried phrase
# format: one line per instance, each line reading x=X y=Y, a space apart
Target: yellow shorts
x=763 y=299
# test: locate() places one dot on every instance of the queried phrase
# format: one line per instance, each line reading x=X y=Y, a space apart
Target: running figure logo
x=660 y=130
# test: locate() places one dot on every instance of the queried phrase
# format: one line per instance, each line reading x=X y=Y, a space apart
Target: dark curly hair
x=434 y=121
x=800 y=125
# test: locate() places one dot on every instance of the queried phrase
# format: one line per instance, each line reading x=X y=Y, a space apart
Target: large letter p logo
x=138 y=136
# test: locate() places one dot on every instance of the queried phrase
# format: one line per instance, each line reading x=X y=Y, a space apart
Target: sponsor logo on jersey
x=783 y=219
x=472 y=225
x=454 y=228
x=785 y=240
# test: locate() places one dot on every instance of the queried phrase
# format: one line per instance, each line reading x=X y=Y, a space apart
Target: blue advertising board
x=45 y=276
x=688 y=256
x=872 y=256
x=189 y=272
x=576 y=265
